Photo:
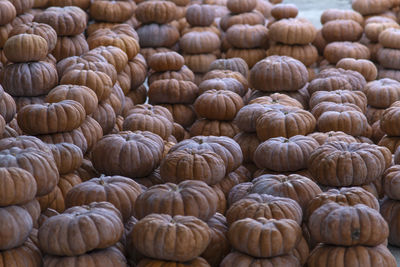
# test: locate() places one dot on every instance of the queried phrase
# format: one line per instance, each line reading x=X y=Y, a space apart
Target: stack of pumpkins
x=381 y=94
x=216 y=110
x=341 y=31
x=387 y=123
x=106 y=14
x=19 y=187
x=69 y=23
x=342 y=230
x=390 y=205
x=389 y=40
x=85 y=223
x=155 y=32
x=176 y=92
x=8 y=14
x=200 y=43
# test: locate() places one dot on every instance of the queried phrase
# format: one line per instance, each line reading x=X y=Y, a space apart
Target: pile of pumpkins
x=198 y=133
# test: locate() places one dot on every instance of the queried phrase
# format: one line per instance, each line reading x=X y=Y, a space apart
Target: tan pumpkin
x=16 y=224
x=284 y=11
x=68 y=157
x=241 y=259
x=156 y=35
x=18 y=186
x=382 y=93
x=351 y=122
x=352 y=164
x=7 y=12
x=200 y=15
x=251 y=18
x=172 y=91
x=293 y=31
x=342 y=30
x=160 y=12
x=25 y=48
x=337 y=14
x=166 y=61
x=58 y=243
x=307 y=54
x=117 y=11
x=336 y=51
x=389 y=38
x=363 y=66
x=230 y=84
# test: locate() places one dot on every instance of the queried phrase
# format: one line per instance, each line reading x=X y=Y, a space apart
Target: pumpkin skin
x=244 y=233
x=119 y=191
x=25 y=48
x=339 y=14
x=351 y=122
x=199 y=42
x=128 y=145
x=68 y=157
x=112 y=54
x=81 y=94
x=251 y=18
x=22 y=6
x=227 y=74
x=100 y=214
x=371 y=6
x=8 y=107
x=192 y=164
x=16 y=224
x=197 y=262
x=237 y=7
x=28 y=79
x=284 y=11
x=327 y=255
x=166 y=61
x=288 y=122
x=347 y=225
x=390 y=117
x=66 y=21
x=160 y=12
x=229 y=84
x=219 y=245
x=248 y=143
x=263 y=74
x=307 y=54
x=218 y=105
x=117 y=11
x=63 y=116
x=323 y=107
x=247 y=36
x=194 y=233
x=266 y=206
x=200 y=15
x=390 y=211
x=68 y=46
x=385 y=58
x=242 y=260
x=149 y=122
x=363 y=66
x=292 y=31
x=389 y=38
x=390 y=180
x=359 y=163
x=342 y=30
x=281 y=154
x=349 y=196
x=233 y=64
x=95 y=66
x=240 y=175
x=28 y=253
x=156 y=35
x=225 y=147
x=178 y=199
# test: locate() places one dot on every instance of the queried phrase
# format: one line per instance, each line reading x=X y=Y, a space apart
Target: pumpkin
x=25 y=48
x=352 y=122
x=388 y=119
x=225 y=147
x=167 y=230
x=287 y=122
x=166 y=61
x=237 y=7
x=100 y=214
x=95 y=66
x=266 y=206
x=172 y=91
x=63 y=116
x=117 y=11
x=199 y=42
x=196 y=262
x=349 y=196
x=68 y=157
x=374 y=29
x=81 y=94
x=28 y=79
x=244 y=233
x=247 y=36
x=66 y=21
x=111 y=256
x=240 y=175
x=8 y=107
x=200 y=15
x=363 y=66
x=263 y=74
x=285 y=154
x=327 y=255
x=119 y=191
x=389 y=38
x=68 y=46
x=16 y=224
x=144 y=148
x=323 y=107
x=242 y=260
x=284 y=11
x=371 y=6
x=374 y=114
x=7 y=12
x=178 y=199
x=150 y=109
x=342 y=30
x=18 y=186
x=277 y=99
x=292 y=31
x=219 y=245
x=339 y=14
x=349 y=164
x=156 y=35
x=218 y=105
x=112 y=54
x=248 y=143
x=390 y=178
x=84 y=4
x=347 y=225
x=382 y=93
x=22 y=6
x=149 y=122
x=160 y=12
x=294 y=186
x=336 y=51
